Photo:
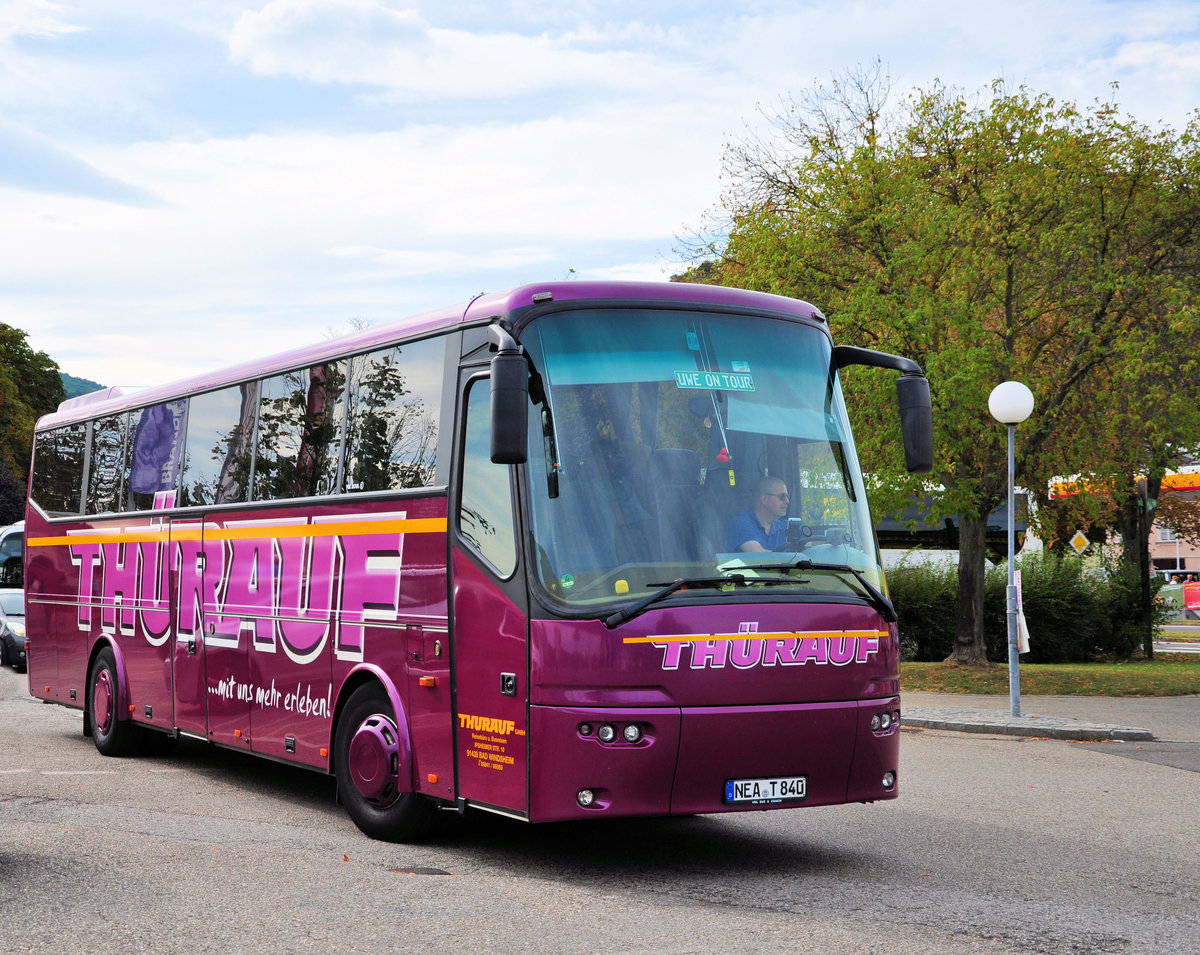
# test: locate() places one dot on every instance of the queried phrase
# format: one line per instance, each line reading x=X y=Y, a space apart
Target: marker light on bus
x=585 y=729
x=889 y=780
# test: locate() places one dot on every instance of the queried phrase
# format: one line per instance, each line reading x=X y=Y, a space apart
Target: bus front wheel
x=373 y=771
x=113 y=736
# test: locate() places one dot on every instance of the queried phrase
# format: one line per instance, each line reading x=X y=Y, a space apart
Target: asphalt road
x=995 y=845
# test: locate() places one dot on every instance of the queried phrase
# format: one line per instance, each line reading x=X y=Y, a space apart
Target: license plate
x=770 y=789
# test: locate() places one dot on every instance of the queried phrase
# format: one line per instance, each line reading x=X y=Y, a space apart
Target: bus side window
x=392 y=419
x=485 y=514
x=154 y=455
x=299 y=431
x=58 y=469
x=107 y=474
x=220 y=434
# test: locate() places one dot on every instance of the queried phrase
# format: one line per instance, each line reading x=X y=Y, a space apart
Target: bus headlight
x=585 y=797
x=606 y=733
x=889 y=780
x=632 y=733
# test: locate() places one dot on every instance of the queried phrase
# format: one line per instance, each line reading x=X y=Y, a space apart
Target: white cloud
x=282 y=235
x=33 y=162
x=326 y=160
x=328 y=40
x=366 y=42
x=410 y=261
x=34 y=18
x=616 y=176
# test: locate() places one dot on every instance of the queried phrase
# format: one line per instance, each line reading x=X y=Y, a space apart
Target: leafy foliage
x=12 y=497
x=30 y=386
x=1073 y=614
x=1014 y=237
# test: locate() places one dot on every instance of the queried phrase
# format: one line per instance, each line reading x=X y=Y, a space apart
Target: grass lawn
x=1168 y=674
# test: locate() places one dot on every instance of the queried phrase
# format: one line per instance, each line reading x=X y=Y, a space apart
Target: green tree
x=1016 y=238
x=1131 y=420
x=30 y=386
x=12 y=497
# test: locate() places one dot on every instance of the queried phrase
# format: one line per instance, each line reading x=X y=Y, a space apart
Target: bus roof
x=478 y=310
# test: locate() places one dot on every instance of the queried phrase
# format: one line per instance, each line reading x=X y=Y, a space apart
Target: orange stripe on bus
x=416 y=525
x=808 y=635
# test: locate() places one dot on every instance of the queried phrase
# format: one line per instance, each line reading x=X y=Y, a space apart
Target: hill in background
x=74 y=387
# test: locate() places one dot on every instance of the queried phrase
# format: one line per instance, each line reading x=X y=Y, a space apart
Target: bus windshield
x=660 y=431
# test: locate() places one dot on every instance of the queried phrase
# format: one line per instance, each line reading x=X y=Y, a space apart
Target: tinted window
x=485 y=515
x=155 y=454
x=220 y=432
x=12 y=568
x=58 y=469
x=395 y=399
x=657 y=426
x=12 y=545
x=106 y=474
x=299 y=432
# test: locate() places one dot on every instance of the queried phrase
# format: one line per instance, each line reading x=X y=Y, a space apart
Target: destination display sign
x=715 y=380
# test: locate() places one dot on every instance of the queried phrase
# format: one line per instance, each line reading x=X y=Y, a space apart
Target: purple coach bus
x=490 y=557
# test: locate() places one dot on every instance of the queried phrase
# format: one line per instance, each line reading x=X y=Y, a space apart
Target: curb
x=1042 y=727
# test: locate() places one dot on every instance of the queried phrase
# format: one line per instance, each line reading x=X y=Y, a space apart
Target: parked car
x=12 y=628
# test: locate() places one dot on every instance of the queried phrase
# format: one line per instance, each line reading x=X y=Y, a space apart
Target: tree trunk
x=969 y=647
x=1133 y=521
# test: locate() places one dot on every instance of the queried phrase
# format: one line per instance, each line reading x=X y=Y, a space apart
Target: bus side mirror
x=916 y=422
x=912 y=393
x=510 y=399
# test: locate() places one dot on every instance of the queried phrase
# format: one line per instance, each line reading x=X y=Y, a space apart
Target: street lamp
x=1011 y=403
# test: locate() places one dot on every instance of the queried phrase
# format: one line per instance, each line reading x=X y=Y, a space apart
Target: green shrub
x=1073 y=614
x=1119 y=593
x=925 y=596
x=1061 y=606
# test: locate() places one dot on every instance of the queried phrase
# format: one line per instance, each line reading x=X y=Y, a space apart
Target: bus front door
x=490 y=623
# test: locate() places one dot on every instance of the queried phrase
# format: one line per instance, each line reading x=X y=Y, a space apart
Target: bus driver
x=763 y=527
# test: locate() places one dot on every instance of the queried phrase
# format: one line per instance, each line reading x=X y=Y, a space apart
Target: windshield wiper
x=874 y=595
x=628 y=613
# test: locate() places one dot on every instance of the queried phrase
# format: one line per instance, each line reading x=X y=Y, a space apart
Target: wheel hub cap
x=374 y=761
x=102 y=701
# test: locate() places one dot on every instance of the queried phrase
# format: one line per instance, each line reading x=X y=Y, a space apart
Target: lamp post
x=1011 y=403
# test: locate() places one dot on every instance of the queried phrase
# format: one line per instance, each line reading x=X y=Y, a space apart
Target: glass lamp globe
x=1010 y=402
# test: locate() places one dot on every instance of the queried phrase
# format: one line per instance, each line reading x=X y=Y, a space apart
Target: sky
x=185 y=184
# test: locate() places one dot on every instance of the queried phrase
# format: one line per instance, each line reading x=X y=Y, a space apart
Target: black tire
x=3 y=655
x=375 y=790
x=112 y=735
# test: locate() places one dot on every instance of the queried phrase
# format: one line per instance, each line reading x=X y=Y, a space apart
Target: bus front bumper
x=593 y=761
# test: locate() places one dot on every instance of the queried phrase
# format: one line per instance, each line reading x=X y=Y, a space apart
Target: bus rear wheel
x=113 y=736
x=373 y=770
